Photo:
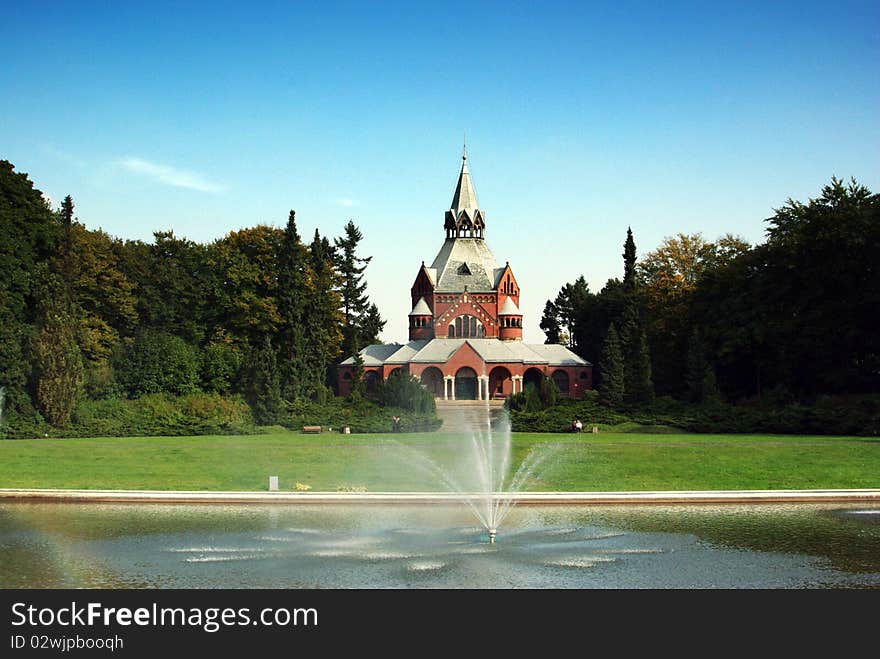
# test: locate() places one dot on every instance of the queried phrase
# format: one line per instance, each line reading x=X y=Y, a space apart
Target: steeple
x=464 y=219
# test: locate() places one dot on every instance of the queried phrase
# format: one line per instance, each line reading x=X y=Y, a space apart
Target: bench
x=312 y=429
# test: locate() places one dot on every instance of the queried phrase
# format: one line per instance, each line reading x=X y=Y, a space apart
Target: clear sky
x=581 y=119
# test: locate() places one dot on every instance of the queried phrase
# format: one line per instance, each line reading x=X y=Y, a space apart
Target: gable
x=422 y=286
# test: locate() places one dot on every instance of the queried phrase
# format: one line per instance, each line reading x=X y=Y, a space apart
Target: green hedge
x=824 y=416
x=360 y=417
x=160 y=414
x=213 y=414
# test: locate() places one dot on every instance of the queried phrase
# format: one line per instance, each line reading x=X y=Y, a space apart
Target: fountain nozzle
x=492 y=534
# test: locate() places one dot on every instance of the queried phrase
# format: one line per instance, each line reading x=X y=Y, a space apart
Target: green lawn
x=389 y=463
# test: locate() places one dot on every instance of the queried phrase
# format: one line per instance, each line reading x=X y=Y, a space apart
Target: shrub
x=362 y=417
x=160 y=414
x=157 y=362
x=220 y=365
x=406 y=392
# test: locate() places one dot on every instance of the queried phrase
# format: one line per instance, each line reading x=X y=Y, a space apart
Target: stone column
x=445 y=387
x=514 y=379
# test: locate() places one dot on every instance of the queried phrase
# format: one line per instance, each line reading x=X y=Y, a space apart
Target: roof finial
x=464 y=147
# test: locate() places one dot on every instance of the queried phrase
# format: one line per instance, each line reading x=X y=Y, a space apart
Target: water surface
x=279 y=546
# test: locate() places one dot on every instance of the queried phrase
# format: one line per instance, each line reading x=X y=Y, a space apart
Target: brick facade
x=464 y=299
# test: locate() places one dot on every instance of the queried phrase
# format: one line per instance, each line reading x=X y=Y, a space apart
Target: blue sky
x=581 y=119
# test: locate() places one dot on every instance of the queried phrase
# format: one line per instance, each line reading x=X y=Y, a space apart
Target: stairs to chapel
x=469 y=415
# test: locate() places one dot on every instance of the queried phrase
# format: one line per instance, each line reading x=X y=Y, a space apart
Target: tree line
x=791 y=318
x=83 y=314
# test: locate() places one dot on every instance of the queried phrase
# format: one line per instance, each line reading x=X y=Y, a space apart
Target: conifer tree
x=611 y=386
x=372 y=324
x=292 y=300
x=361 y=322
x=629 y=261
x=638 y=384
x=699 y=374
x=550 y=323
x=358 y=386
x=262 y=388
x=641 y=386
x=323 y=327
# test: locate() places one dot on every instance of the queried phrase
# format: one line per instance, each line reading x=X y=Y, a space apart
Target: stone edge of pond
x=386 y=498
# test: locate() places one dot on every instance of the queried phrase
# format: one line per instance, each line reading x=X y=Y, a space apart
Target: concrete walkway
x=867 y=496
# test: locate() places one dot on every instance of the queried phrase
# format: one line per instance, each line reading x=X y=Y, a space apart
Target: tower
x=465 y=324
x=464 y=291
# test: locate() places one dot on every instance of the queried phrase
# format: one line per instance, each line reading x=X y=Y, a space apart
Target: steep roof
x=473 y=253
x=465 y=197
x=509 y=308
x=421 y=308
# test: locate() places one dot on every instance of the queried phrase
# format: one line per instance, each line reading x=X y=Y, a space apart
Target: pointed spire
x=465 y=197
x=464 y=219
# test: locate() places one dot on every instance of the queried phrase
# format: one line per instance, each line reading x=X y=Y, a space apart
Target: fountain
x=482 y=483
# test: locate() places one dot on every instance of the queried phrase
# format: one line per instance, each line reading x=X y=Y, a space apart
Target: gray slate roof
x=446 y=270
x=421 y=308
x=509 y=308
x=465 y=197
x=438 y=351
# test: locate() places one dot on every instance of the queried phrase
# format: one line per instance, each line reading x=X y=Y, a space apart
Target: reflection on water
x=238 y=546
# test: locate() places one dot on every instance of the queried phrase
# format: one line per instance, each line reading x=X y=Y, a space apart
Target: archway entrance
x=466 y=384
x=500 y=384
x=432 y=380
x=560 y=379
x=532 y=378
x=371 y=382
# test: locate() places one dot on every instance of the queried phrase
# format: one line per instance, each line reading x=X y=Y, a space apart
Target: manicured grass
x=389 y=462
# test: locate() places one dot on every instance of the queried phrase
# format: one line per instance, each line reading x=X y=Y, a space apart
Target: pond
x=364 y=546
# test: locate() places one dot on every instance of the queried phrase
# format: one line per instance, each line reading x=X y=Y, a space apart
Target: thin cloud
x=172 y=176
x=347 y=203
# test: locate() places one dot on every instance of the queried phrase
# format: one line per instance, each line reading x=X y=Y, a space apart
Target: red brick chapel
x=465 y=327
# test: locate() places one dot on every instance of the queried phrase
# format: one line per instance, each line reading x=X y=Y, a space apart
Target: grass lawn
x=389 y=462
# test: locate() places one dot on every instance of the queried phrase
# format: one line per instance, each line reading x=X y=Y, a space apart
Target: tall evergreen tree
x=361 y=322
x=638 y=385
x=699 y=373
x=612 y=384
x=550 y=323
x=67 y=240
x=323 y=327
x=641 y=384
x=293 y=295
x=358 y=386
x=372 y=325
x=262 y=386
x=629 y=261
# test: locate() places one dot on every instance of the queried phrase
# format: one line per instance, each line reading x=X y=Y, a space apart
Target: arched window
x=451 y=331
x=468 y=327
x=560 y=379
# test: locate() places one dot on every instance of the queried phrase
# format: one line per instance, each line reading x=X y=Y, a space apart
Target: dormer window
x=463 y=269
